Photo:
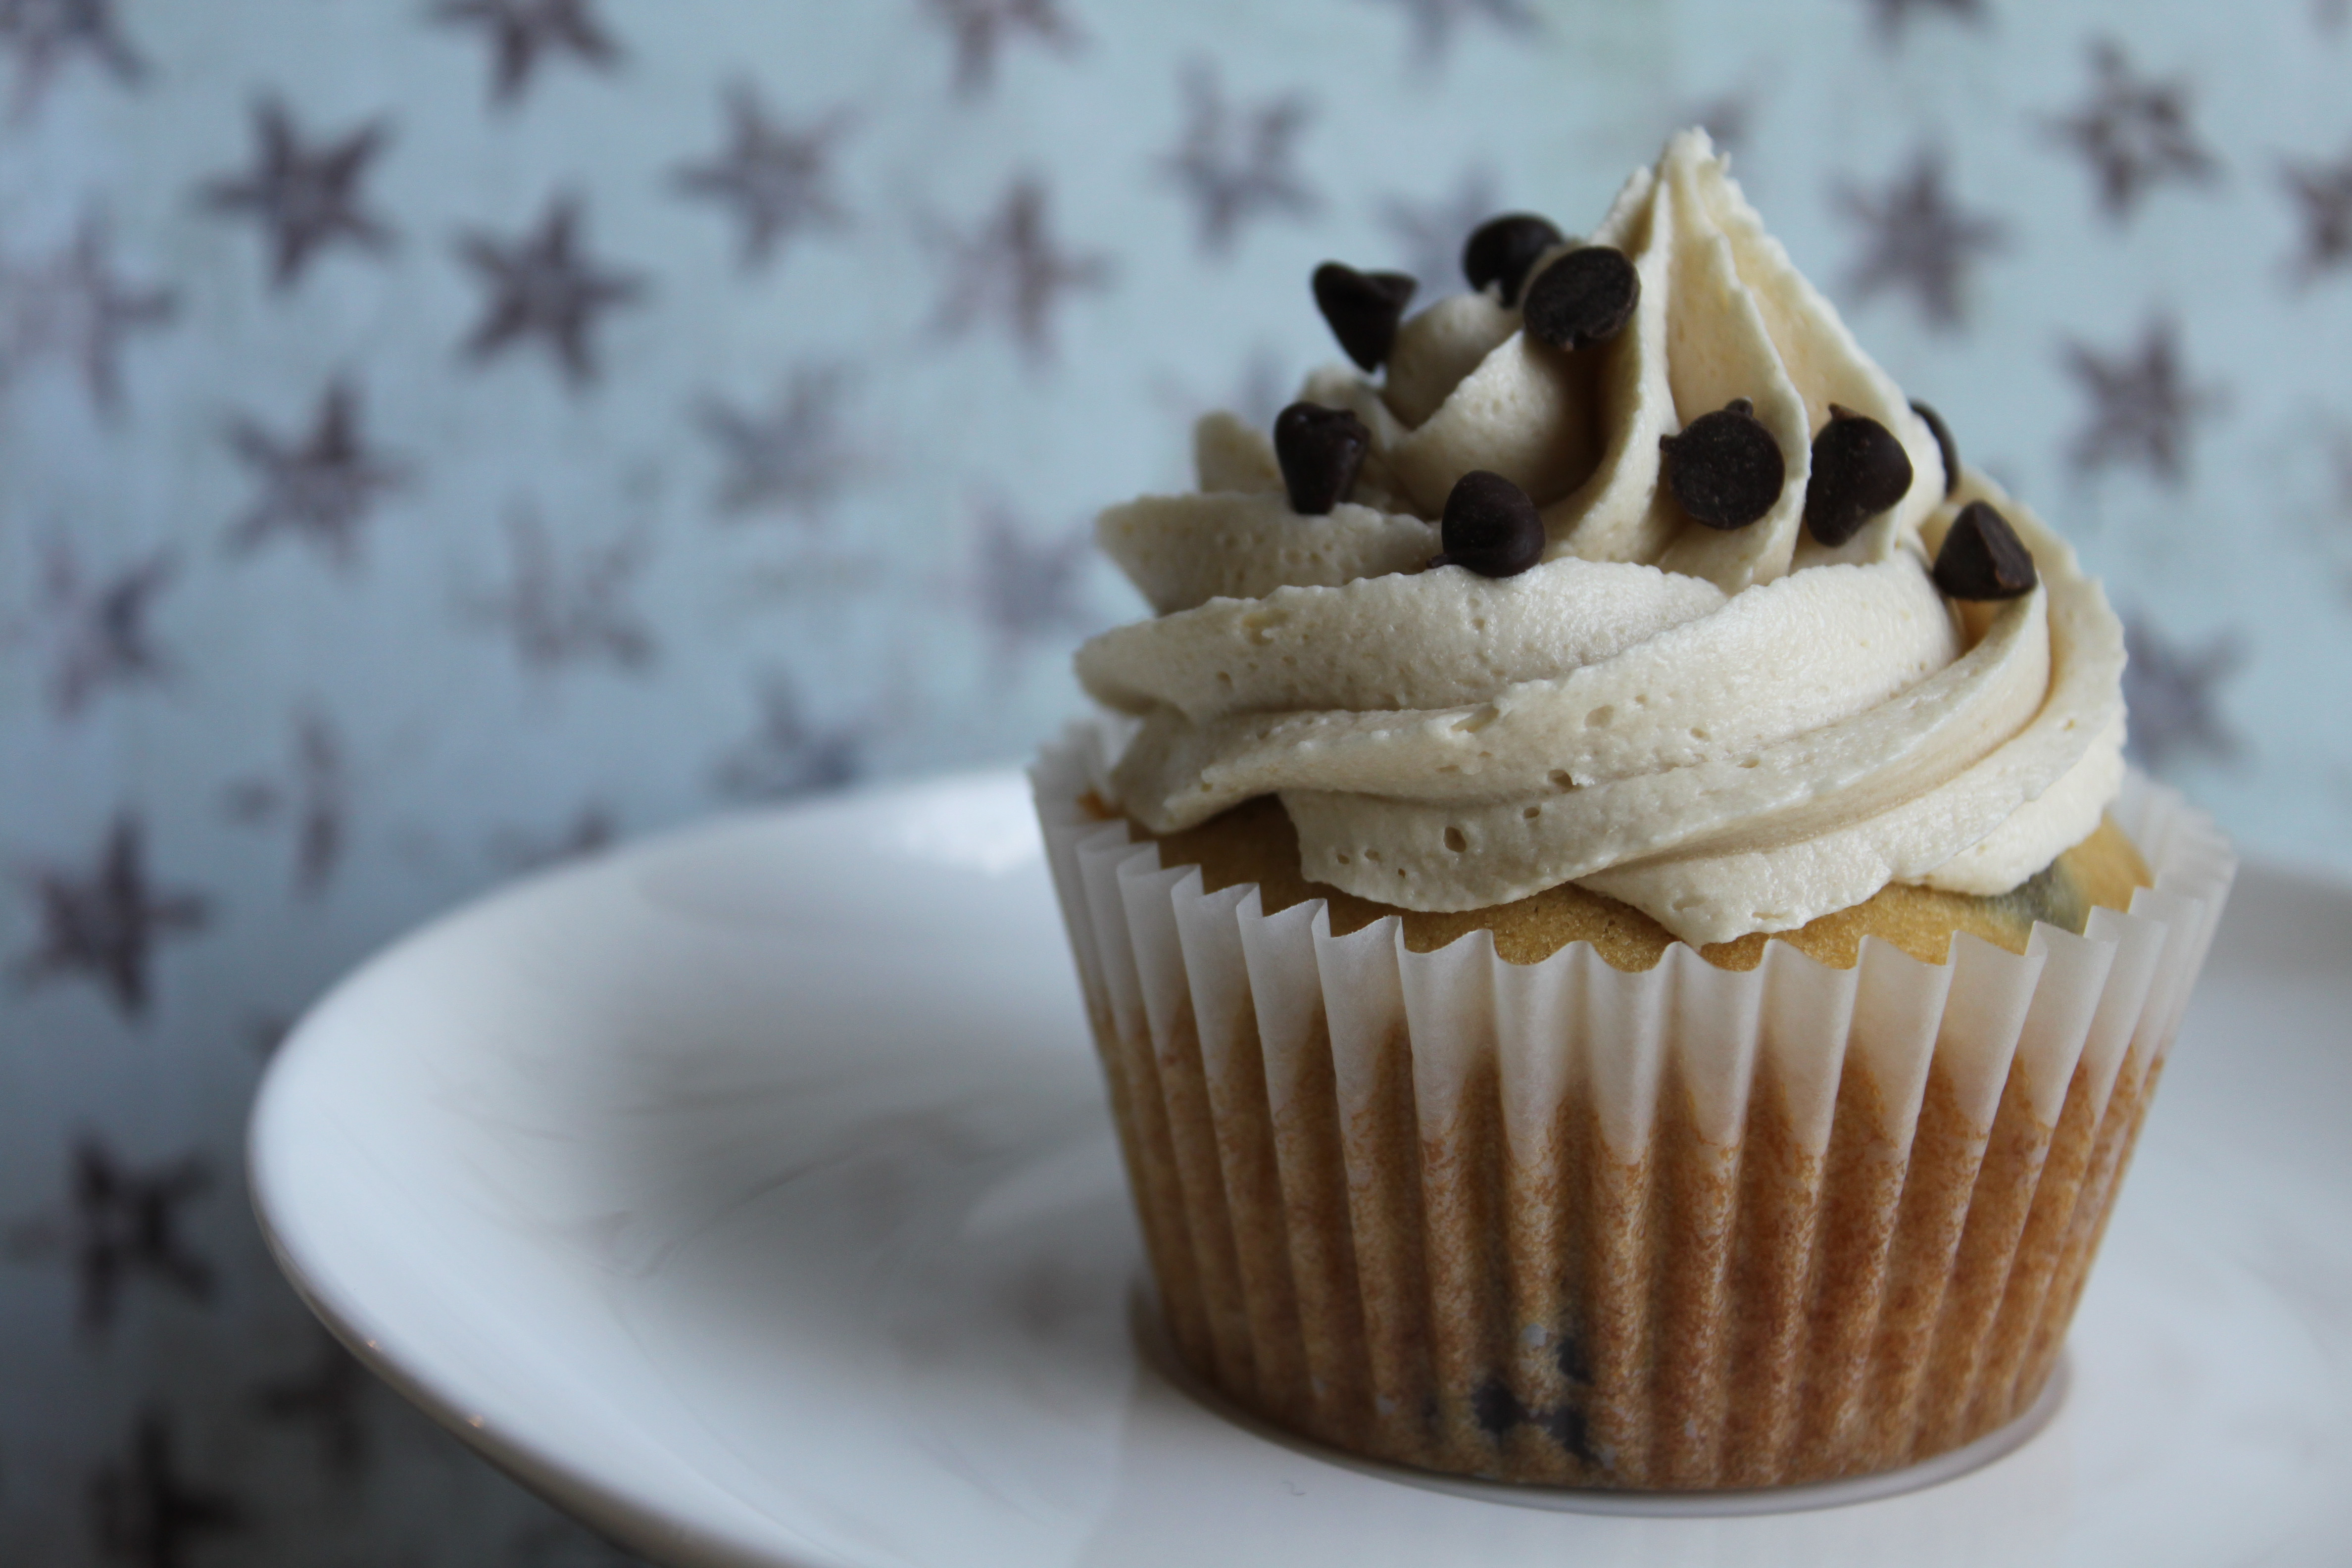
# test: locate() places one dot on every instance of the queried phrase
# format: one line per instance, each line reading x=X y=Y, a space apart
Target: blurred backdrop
x=439 y=438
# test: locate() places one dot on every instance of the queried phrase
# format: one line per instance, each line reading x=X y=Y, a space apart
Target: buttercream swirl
x=1731 y=730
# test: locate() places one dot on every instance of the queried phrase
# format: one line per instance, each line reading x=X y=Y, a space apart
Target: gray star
x=1431 y=232
x=322 y=490
x=559 y=615
x=305 y=198
x=331 y=1395
x=520 y=31
x=146 y=1513
x=2323 y=196
x=982 y=28
x=2144 y=409
x=794 y=458
x=1011 y=269
x=2171 y=693
x=73 y=309
x=42 y=34
x=106 y=922
x=1894 y=16
x=2135 y=133
x=772 y=175
x=1918 y=240
x=1023 y=591
x=99 y=629
x=785 y=755
x=119 y=1224
x=541 y=286
x=1434 y=21
x=1235 y=162
x=315 y=795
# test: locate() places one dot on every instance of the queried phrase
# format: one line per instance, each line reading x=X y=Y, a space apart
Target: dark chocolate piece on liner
x=1320 y=450
x=1490 y=526
x=1726 y=468
x=1859 y=470
x=1983 y=558
x=1948 y=448
x=1501 y=249
x=1497 y=1410
x=1585 y=297
x=1570 y=1359
x=1565 y=1426
x=1363 y=309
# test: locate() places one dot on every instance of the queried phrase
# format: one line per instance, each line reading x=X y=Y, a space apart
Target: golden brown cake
x=1254 y=843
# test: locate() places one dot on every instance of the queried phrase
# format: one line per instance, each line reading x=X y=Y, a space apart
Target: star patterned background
x=439 y=438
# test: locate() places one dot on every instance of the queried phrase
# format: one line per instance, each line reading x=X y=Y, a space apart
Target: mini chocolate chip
x=1501 y=249
x=1983 y=558
x=1319 y=449
x=1859 y=470
x=1566 y=1427
x=1945 y=445
x=1585 y=297
x=1363 y=309
x=1490 y=526
x=1569 y=1356
x=1725 y=467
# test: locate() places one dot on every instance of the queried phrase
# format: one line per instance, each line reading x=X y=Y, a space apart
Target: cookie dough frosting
x=1733 y=729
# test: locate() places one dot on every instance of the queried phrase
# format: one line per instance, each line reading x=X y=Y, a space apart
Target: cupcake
x=1623 y=946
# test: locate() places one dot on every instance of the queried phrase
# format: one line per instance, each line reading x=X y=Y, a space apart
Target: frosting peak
x=1733 y=729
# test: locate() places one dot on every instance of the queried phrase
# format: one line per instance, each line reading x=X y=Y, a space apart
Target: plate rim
x=562 y=1480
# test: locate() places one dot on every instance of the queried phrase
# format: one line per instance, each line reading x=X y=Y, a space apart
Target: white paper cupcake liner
x=1686 y=1227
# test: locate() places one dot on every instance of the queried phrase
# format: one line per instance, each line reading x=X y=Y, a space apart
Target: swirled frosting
x=1733 y=731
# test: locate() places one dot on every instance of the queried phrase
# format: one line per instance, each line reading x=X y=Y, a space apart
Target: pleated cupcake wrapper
x=1559 y=1223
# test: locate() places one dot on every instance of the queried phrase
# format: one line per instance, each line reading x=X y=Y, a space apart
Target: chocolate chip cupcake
x=1623 y=949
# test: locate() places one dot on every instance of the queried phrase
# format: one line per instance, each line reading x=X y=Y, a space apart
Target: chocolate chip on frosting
x=1946 y=447
x=1983 y=558
x=1585 y=297
x=1490 y=526
x=1859 y=470
x=1363 y=309
x=1319 y=449
x=1725 y=467
x=1501 y=249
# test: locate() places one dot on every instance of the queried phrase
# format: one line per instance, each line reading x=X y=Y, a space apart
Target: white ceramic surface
x=750 y=1195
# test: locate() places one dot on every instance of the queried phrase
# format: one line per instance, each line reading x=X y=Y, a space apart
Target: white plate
x=750 y=1195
